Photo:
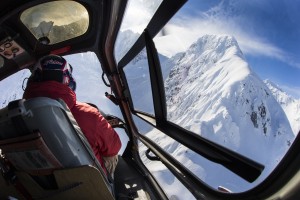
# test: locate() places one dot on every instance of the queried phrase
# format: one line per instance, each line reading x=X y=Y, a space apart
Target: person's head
x=54 y=68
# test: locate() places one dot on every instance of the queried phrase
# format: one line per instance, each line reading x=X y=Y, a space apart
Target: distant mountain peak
x=216 y=43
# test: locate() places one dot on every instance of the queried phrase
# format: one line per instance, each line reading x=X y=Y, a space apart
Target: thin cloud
x=190 y=29
x=138 y=15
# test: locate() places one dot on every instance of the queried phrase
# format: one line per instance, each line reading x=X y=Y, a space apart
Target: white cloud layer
x=138 y=14
x=189 y=29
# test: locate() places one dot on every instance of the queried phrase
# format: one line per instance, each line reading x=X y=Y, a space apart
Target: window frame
x=43 y=40
x=238 y=164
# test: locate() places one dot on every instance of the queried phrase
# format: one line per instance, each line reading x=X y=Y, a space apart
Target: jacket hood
x=51 y=89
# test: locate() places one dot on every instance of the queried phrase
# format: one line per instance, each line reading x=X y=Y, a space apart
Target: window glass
x=91 y=89
x=142 y=126
x=173 y=188
x=58 y=20
x=137 y=16
x=138 y=79
x=232 y=76
x=213 y=174
x=11 y=88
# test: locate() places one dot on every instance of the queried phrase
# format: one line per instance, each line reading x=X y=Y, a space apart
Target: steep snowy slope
x=212 y=91
x=290 y=105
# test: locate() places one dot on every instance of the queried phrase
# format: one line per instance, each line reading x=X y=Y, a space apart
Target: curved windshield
x=231 y=75
x=56 y=21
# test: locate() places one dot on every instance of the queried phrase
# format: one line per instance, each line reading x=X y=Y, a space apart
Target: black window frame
x=240 y=165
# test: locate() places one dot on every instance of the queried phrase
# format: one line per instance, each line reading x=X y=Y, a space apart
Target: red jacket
x=101 y=136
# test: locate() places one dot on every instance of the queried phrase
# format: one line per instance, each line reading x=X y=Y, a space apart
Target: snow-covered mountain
x=290 y=105
x=212 y=91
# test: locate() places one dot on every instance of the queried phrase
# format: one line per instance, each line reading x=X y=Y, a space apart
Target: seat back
x=48 y=118
x=39 y=137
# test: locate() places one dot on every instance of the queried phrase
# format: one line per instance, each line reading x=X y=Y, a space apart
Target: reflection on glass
x=57 y=20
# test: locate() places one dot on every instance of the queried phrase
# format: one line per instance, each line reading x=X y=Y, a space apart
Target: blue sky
x=267 y=32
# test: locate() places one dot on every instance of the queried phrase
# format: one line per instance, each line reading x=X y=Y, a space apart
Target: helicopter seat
x=45 y=150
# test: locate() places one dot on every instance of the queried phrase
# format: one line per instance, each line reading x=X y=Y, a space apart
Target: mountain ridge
x=289 y=104
x=226 y=80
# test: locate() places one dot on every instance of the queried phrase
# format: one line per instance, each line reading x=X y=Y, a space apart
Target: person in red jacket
x=53 y=78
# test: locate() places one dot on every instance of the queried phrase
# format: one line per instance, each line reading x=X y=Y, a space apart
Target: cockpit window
x=230 y=76
x=137 y=16
x=56 y=21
